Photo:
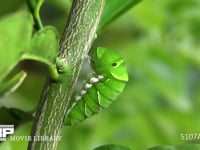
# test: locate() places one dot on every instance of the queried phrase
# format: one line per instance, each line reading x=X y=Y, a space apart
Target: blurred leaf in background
x=160 y=44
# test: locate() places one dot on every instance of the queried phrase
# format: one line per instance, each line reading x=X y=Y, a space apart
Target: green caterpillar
x=101 y=88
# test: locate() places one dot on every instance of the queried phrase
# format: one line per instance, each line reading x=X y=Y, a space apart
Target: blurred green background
x=160 y=44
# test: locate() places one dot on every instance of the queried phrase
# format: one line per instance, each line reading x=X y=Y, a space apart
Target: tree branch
x=75 y=43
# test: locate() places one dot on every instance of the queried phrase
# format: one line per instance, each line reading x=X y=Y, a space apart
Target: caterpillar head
x=109 y=63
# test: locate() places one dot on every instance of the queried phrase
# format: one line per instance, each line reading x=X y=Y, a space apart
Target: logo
x=5 y=130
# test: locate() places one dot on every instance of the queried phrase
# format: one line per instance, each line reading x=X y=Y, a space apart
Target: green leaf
x=15 y=36
x=113 y=9
x=178 y=147
x=44 y=45
x=44 y=48
x=112 y=147
x=34 y=6
x=16 y=45
x=12 y=84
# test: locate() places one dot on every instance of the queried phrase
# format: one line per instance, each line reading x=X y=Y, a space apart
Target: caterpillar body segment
x=101 y=88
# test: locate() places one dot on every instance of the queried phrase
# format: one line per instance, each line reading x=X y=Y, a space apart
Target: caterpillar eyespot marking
x=114 y=64
x=101 y=88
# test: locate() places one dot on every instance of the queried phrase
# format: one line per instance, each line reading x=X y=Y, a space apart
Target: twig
x=75 y=43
